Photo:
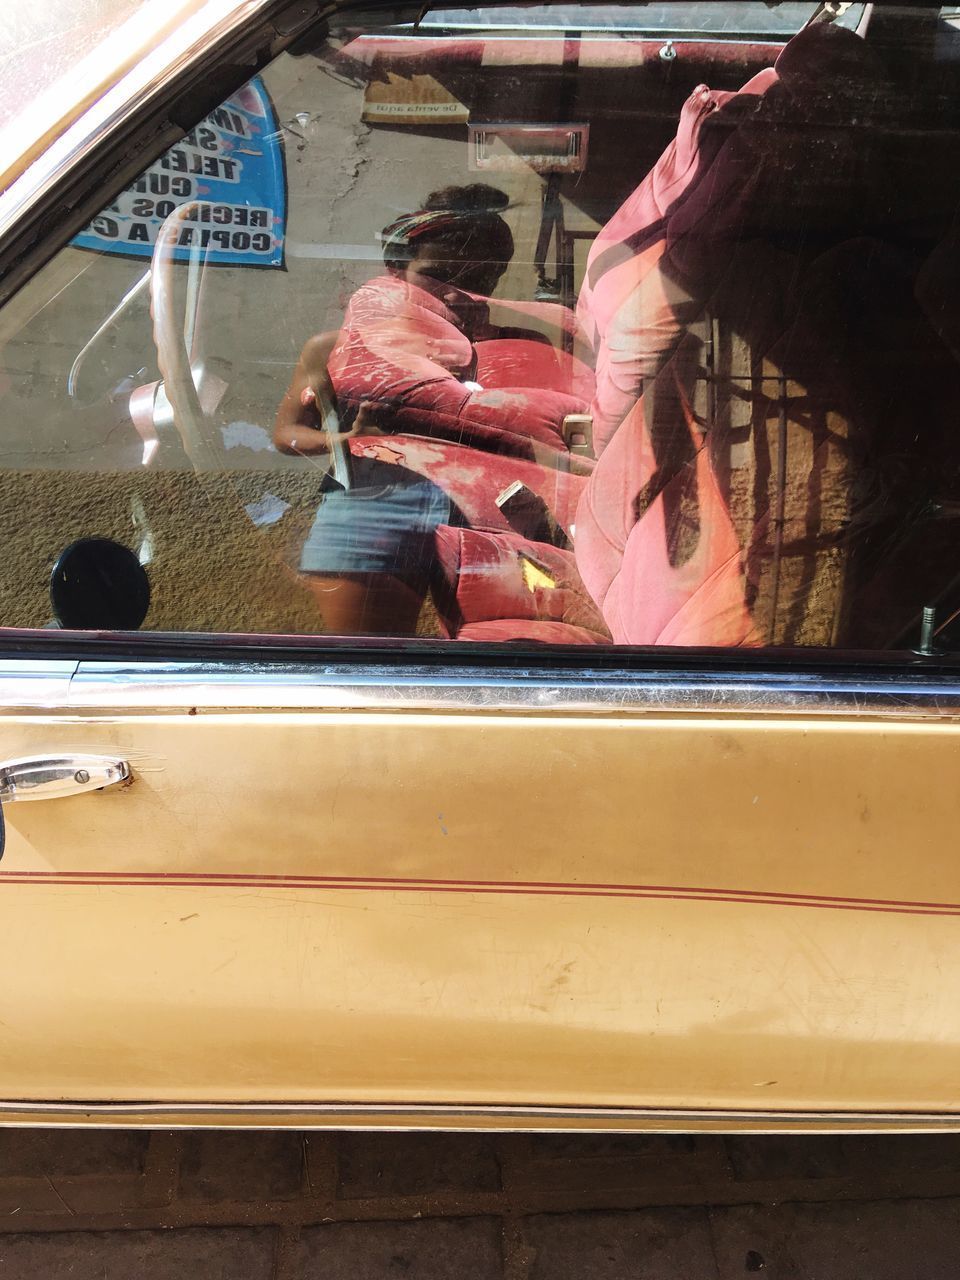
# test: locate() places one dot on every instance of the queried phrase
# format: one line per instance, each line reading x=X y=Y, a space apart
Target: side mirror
x=99 y=585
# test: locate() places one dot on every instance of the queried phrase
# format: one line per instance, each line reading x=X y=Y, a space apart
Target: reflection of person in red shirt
x=420 y=340
x=419 y=353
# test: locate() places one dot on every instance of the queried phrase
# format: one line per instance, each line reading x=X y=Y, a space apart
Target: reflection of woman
x=418 y=353
x=419 y=341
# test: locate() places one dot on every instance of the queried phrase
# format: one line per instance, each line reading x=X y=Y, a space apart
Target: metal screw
x=81 y=776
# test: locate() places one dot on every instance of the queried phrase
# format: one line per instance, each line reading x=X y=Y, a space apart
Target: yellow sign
x=414 y=99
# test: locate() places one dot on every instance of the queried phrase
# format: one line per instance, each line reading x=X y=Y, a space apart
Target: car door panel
x=666 y=910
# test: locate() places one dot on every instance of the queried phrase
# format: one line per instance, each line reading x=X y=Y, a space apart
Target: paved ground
x=290 y=1206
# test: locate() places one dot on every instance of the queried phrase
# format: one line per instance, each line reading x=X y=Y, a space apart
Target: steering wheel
x=170 y=337
x=173 y=357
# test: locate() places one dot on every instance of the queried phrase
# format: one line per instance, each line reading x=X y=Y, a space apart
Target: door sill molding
x=514 y=1119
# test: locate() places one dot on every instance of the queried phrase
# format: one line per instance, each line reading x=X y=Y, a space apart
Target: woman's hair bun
x=475 y=197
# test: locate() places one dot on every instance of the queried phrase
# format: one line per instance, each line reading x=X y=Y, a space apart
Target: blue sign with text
x=232 y=166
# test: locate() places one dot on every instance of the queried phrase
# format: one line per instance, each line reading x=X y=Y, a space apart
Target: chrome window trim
x=35 y=683
x=131 y=687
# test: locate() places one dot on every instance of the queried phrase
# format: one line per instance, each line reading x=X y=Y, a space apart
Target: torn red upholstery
x=407 y=351
x=472 y=479
x=506 y=579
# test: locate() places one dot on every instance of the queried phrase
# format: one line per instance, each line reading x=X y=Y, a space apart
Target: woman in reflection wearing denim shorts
x=405 y=360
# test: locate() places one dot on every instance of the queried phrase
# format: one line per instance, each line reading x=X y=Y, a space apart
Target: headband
x=413 y=225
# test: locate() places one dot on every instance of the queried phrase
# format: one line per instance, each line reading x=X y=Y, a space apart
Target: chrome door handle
x=49 y=777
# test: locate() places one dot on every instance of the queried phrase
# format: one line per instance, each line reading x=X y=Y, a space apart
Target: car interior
x=632 y=325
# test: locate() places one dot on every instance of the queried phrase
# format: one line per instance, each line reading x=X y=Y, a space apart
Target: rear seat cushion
x=487 y=578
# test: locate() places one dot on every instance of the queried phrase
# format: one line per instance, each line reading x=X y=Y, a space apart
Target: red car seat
x=402 y=349
x=732 y=421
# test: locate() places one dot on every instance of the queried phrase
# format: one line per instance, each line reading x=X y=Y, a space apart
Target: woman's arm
x=298 y=428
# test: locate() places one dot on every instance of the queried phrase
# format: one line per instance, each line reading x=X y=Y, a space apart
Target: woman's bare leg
x=366 y=604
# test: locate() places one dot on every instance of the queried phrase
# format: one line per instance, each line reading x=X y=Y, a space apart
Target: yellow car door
x=327 y=893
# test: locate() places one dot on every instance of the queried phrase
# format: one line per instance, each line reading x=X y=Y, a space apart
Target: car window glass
x=516 y=335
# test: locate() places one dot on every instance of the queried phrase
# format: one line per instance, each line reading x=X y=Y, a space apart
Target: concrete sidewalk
x=292 y=1206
